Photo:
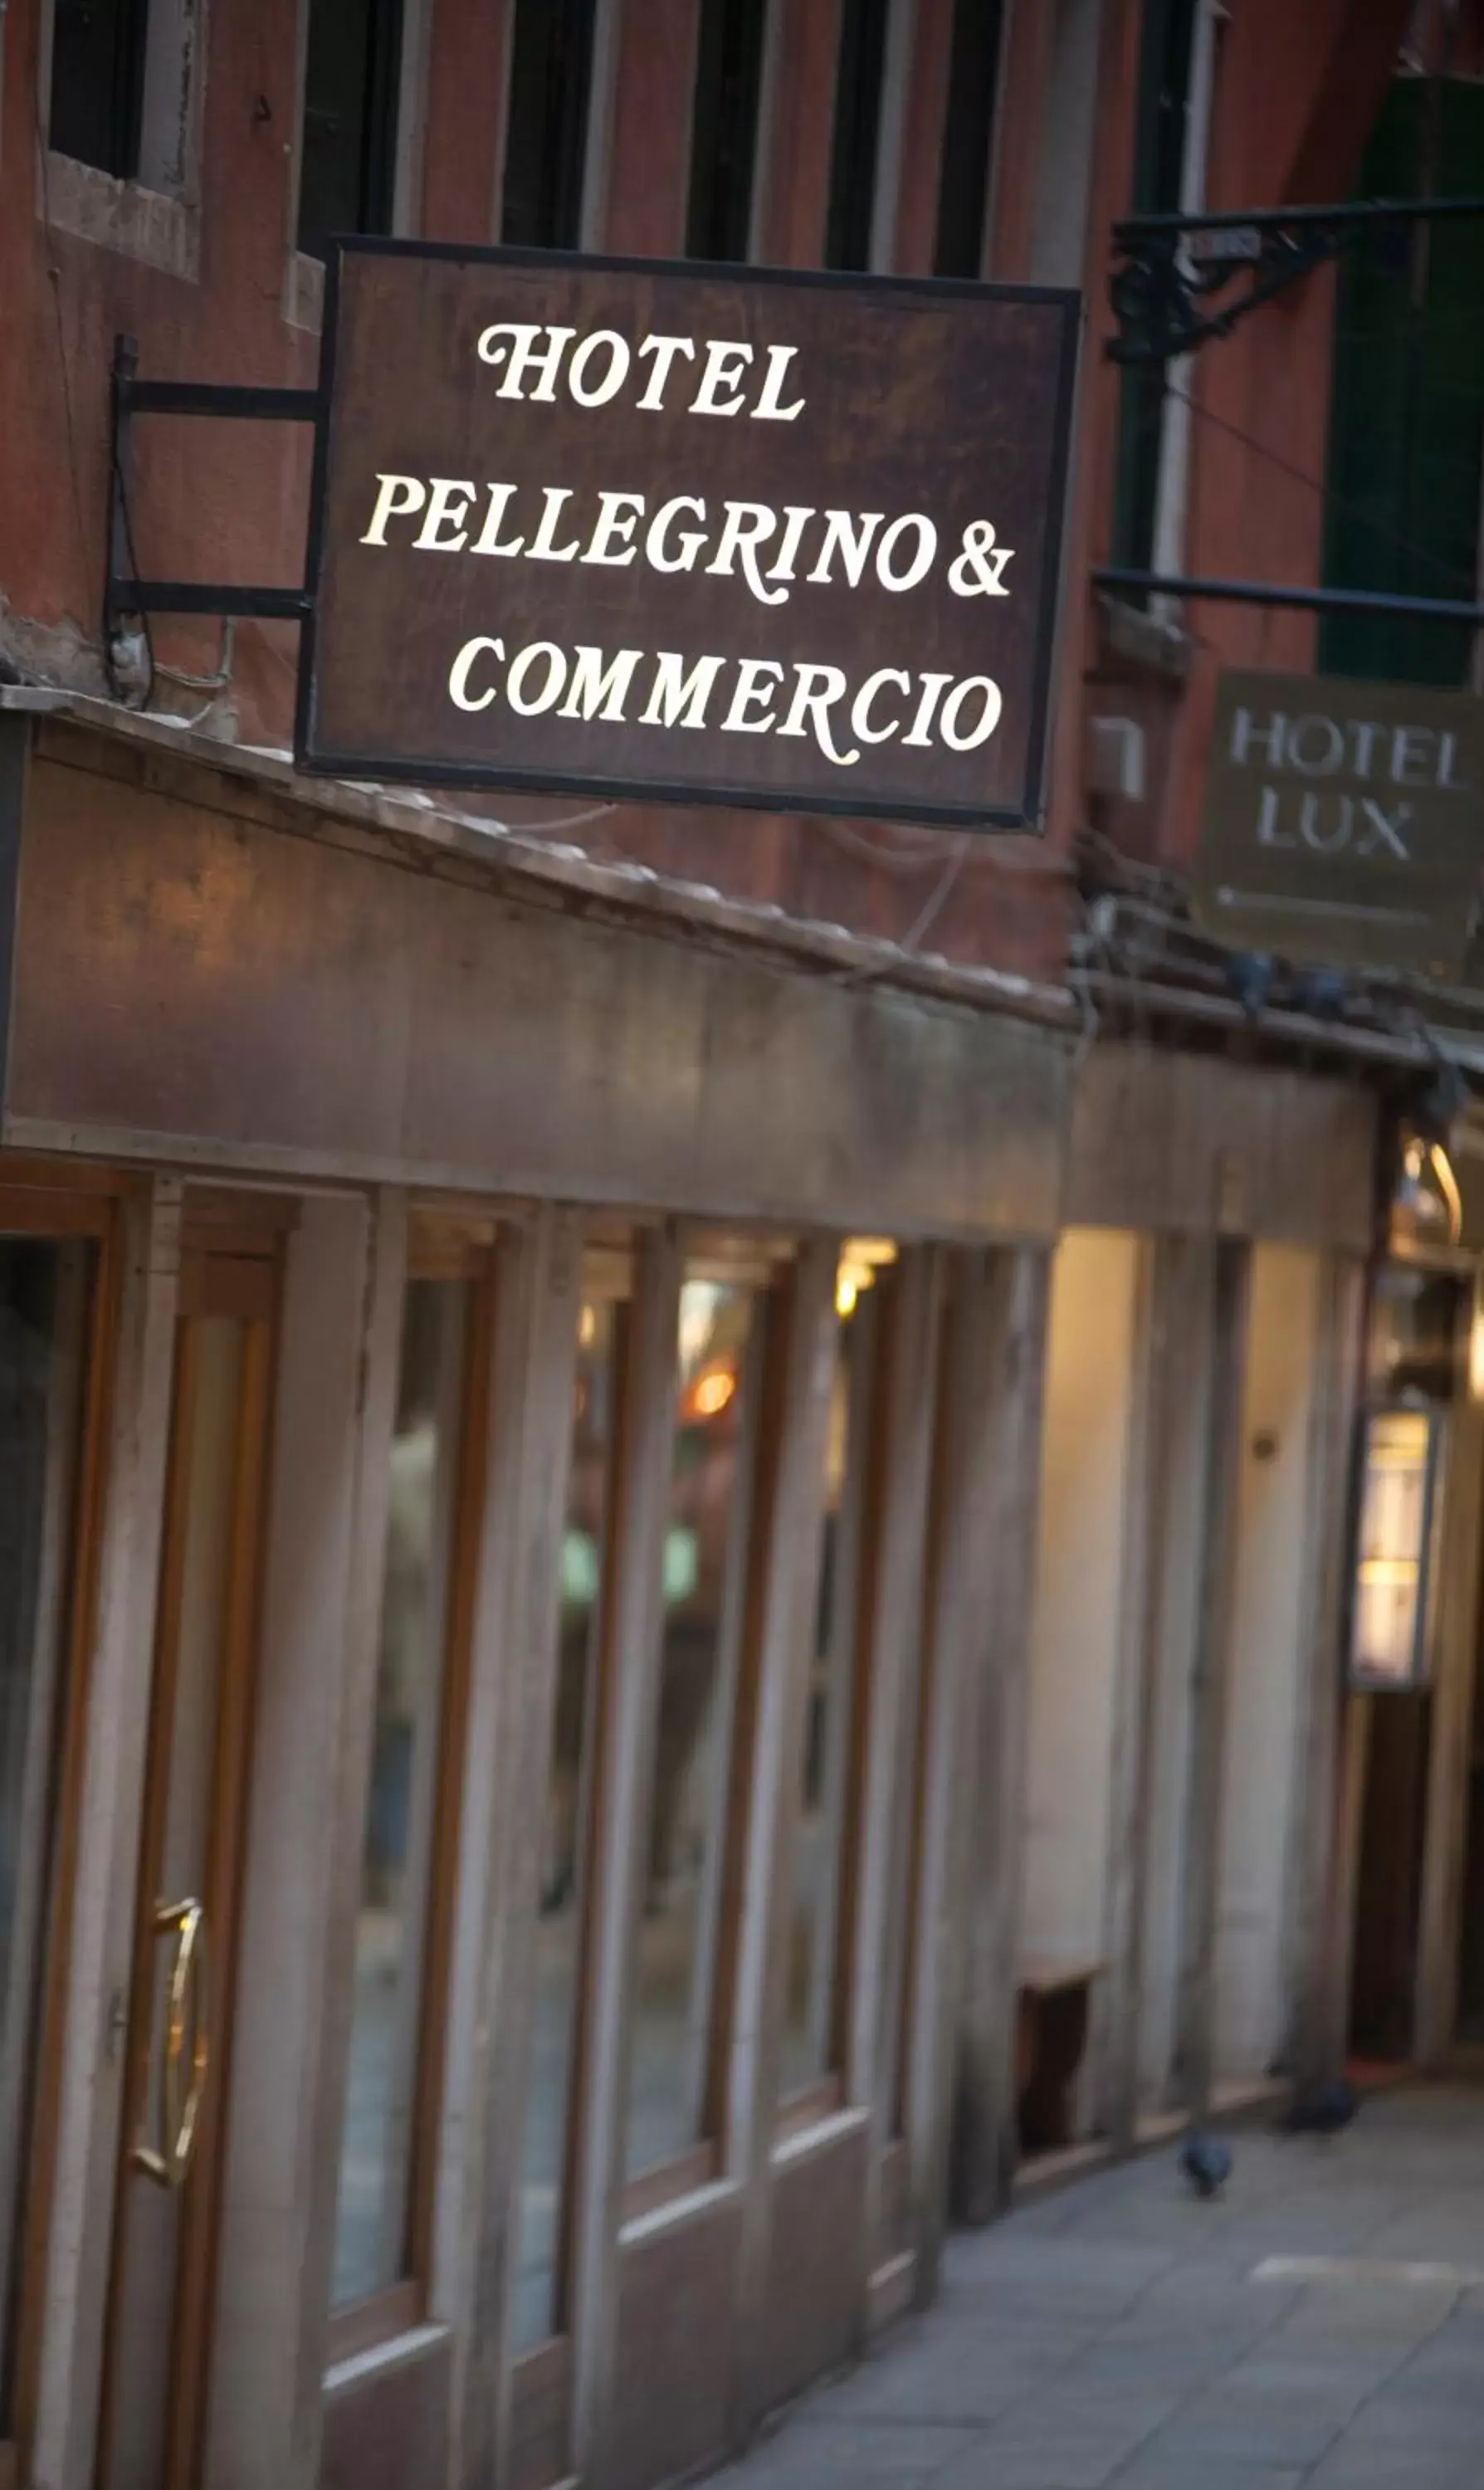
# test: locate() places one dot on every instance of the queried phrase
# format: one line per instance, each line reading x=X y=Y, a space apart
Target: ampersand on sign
x=978 y=569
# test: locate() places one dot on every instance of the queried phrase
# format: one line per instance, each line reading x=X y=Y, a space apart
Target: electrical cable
x=122 y=489
x=54 y=275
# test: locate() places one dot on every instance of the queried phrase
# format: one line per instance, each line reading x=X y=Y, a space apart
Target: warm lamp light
x=712 y=1392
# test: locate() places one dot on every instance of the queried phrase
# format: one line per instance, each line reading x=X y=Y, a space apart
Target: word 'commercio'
x=737 y=695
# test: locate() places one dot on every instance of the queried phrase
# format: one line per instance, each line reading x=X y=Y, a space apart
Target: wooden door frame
x=240 y=1279
x=43 y=1201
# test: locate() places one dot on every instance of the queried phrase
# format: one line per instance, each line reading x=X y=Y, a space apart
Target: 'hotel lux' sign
x=729 y=535
x=1343 y=821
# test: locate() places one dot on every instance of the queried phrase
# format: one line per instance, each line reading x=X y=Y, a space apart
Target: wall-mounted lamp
x=1426 y=1208
x=860 y=1259
x=1390 y=1599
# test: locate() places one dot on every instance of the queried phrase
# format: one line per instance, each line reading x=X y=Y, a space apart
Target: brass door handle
x=188 y=2013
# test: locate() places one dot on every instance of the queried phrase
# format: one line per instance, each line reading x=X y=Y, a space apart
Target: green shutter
x=1406 y=400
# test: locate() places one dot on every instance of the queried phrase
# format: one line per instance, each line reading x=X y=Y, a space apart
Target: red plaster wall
x=1297 y=88
x=648 y=174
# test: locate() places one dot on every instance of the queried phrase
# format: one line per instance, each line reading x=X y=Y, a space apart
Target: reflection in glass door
x=158 y=2362
x=540 y=2297
x=717 y=1376
x=48 y=1293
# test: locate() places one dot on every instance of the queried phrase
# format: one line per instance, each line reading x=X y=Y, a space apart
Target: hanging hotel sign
x=1343 y=821
x=633 y=529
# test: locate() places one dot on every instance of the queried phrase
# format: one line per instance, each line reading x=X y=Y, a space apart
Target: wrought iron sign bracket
x=125 y=592
x=1179 y=280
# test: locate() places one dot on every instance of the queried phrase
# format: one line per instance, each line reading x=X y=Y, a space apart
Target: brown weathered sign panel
x=719 y=535
x=1343 y=821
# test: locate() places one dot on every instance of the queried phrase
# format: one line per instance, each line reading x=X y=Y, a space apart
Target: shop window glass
x=123 y=88
x=348 y=164
x=723 y=123
x=98 y=49
x=856 y=141
x=44 y=1295
x=968 y=138
x=706 y=1528
x=811 y=2034
x=546 y=127
x=538 y=2311
x=373 y=2245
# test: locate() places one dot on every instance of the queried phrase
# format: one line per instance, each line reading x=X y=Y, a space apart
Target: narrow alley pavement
x=1323 y=2324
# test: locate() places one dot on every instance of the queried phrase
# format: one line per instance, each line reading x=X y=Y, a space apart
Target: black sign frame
x=316 y=758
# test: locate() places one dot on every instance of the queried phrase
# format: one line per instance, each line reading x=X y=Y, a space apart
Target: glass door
x=52 y=1290
x=191 y=1847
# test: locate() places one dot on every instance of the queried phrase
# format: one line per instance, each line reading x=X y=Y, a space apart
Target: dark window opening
x=853 y=149
x=723 y=142
x=98 y=50
x=546 y=132
x=1407 y=396
x=1159 y=159
x=968 y=138
x=352 y=73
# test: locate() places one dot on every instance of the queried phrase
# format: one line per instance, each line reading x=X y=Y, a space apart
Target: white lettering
x=861 y=710
x=597 y=693
x=664 y=351
x=814 y=705
x=725 y=362
x=1246 y=733
x=613 y=379
x=1410 y=762
x=542 y=548
x=751 y=686
x=797 y=516
x=1331 y=750
x=989 y=714
x=922 y=560
x=617 y=515
x=1269 y=834
x=488 y=538
x=397 y=498
x=678 y=699
x=1311 y=816
x=551 y=691
x=1387 y=827
x=522 y=355
x=449 y=504
x=461 y=668
x=850 y=536
x=691 y=543
x=747 y=525
x=933 y=688
x=767 y=408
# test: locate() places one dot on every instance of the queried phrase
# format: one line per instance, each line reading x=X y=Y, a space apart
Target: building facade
x=680 y=1483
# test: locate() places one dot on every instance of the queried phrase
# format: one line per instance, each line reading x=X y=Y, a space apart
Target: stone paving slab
x=1117 y=2337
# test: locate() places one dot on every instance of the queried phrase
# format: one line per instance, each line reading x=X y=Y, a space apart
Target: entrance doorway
x=157 y=2371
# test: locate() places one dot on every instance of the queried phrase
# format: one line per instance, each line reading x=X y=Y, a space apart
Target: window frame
x=303 y=288
x=703 y=2161
x=439 y=1248
x=119 y=211
x=825 y=2093
x=608 y=1271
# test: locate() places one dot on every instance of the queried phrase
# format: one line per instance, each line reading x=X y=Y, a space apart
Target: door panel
x=159 y=2353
